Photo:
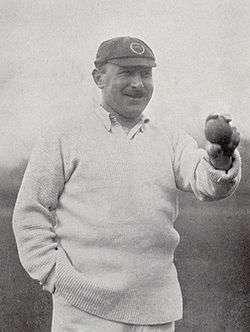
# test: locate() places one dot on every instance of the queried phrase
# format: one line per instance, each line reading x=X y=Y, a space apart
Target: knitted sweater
x=94 y=217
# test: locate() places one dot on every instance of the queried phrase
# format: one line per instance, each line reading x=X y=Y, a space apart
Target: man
x=94 y=218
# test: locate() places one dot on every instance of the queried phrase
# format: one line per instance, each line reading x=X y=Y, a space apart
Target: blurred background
x=203 y=57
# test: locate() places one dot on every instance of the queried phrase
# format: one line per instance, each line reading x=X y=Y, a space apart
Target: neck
x=126 y=123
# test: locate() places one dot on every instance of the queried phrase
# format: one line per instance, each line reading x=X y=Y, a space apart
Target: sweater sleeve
x=34 y=213
x=193 y=172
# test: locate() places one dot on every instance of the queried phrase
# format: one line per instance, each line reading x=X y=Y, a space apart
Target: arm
x=34 y=213
x=195 y=172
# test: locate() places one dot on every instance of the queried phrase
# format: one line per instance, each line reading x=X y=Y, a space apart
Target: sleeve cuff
x=48 y=283
x=221 y=176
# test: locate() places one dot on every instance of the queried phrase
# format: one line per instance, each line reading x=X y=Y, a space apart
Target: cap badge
x=137 y=48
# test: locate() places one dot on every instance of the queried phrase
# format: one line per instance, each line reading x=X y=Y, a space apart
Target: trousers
x=67 y=318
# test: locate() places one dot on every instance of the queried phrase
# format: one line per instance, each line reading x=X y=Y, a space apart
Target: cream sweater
x=94 y=217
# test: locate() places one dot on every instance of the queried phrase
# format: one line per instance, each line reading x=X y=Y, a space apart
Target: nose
x=136 y=81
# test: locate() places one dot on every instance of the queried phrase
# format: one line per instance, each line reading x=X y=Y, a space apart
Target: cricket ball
x=218 y=130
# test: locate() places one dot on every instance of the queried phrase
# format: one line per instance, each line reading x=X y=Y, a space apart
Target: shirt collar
x=104 y=116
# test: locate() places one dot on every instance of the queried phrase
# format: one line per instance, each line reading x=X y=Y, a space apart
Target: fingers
x=235 y=140
x=217 y=151
x=217 y=157
x=226 y=116
x=214 y=150
x=212 y=116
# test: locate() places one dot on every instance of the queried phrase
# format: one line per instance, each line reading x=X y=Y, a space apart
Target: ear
x=98 y=77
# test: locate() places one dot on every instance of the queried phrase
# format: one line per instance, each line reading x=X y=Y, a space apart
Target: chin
x=133 y=112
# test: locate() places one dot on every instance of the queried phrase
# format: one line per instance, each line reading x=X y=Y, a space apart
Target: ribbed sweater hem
x=126 y=306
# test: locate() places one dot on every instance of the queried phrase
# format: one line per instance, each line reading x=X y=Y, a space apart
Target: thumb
x=213 y=150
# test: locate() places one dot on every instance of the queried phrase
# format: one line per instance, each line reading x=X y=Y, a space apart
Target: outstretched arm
x=213 y=173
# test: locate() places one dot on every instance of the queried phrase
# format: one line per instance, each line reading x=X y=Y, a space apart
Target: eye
x=146 y=73
x=124 y=72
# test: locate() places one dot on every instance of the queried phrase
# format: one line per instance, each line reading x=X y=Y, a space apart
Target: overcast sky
x=48 y=47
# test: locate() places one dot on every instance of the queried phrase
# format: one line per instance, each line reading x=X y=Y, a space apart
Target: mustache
x=134 y=93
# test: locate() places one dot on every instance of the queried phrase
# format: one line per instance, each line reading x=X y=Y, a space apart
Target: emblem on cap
x=137 y=48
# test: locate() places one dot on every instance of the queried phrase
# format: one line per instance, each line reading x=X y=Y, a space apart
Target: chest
x=117 y=163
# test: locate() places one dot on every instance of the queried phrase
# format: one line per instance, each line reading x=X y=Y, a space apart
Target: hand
x=220 y=155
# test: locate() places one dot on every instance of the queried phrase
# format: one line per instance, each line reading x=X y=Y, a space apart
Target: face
x=127 y=90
